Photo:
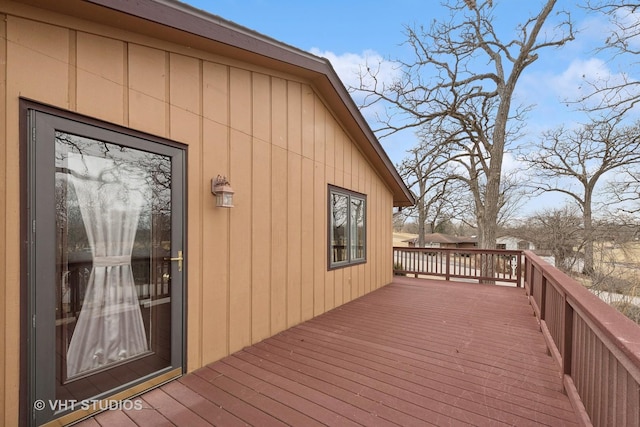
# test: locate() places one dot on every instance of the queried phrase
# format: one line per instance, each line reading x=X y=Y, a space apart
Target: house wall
x=253 y=270
x=513 y=243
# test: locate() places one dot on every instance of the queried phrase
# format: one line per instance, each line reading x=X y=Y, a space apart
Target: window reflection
x=357 y=228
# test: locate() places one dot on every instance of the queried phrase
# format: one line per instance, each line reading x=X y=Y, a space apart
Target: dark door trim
x=33 y=269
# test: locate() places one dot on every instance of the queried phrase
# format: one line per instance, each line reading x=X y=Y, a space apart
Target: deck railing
x=458 y=263
x=596 y=347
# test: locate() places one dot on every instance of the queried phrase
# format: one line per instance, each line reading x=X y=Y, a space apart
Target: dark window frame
x=350 y=260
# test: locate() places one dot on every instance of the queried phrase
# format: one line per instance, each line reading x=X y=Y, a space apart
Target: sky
x=352 y=33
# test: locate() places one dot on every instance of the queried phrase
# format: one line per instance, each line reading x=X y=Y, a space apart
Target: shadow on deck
x=415 y=352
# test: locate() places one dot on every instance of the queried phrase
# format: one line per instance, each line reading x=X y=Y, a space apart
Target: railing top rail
x=621 y=331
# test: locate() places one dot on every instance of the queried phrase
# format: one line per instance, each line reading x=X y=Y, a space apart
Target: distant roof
x=198 y=29
x=444 y=238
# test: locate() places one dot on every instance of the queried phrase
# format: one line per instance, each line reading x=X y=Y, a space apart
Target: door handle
x=179 y=258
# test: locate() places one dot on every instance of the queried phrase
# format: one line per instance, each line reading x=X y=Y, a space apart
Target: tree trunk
x=588 y=233
x=422 y=214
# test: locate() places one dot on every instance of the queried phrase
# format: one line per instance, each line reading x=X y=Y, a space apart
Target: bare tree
x=462 y=82
x=622 y=94
x=573 y=161
x=427 y=173
x=558 y=231
x=626 y=190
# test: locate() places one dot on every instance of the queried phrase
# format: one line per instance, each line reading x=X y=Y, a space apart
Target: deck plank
x=416 y=352
x=449 y=385
x=161 y=400
x=465 y=381
x=249 y=363
x=236 y=406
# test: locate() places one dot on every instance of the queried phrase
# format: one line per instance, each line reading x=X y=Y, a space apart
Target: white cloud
x=582 y=77
x=628 y=18
x=349 y=66
x=355 y=70
x=511 y=164
x=572 y=83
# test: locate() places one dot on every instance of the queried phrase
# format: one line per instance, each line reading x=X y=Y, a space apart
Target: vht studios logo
x=93 y=405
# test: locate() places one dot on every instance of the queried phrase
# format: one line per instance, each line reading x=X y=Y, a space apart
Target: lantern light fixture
x=221 y=188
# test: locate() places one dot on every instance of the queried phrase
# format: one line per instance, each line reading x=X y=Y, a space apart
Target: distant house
x=439 y=240
x=514 y=243
x=120 y=270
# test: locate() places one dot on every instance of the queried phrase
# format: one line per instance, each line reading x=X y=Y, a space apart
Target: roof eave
x=182 y=17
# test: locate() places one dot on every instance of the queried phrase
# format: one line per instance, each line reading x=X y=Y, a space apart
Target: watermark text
x=89 y=404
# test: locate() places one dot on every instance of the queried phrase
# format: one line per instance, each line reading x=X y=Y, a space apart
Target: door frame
x=31 y=274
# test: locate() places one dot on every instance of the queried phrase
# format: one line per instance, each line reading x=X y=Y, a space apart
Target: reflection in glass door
x=117 y=318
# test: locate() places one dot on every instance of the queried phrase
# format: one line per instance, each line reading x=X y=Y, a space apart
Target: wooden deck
x=417 y=352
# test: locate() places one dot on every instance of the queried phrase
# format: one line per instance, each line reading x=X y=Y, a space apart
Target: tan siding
x=346 y=163
x=240 y=100
x=279 y=112
x=212 y=297
x=294 y=233
x=36 y=46
x=375 y=228
x=308 y=112
x=261 y=212
x=319 y=237
x=101 y=66
x=294 y=117
x=240 y=240
x=31 y=46
x=261 y=241
x=338 y=286
x=307 y=251
x=261 y=107
x=320 y=115
x=148 y=89
x=278 y=239
x=216 y=93
x=330 y=141
x=4 y=245
x=185 y=125
x=330 y=276
x=252 y=270
x=185 y=115
x=370 y=260
x=72 y=83
x=338 y=152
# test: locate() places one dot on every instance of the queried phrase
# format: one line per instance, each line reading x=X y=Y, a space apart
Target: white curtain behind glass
x=110 y=326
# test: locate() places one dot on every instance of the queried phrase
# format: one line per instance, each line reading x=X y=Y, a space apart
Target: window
x=524 y=245
x=347 y=227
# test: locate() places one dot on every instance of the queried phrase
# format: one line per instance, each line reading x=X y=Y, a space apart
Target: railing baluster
x=453 y=263
x=567 y=333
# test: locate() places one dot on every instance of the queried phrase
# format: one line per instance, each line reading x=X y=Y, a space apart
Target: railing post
x=448 y=264
x=542 y=305
x=529 y=273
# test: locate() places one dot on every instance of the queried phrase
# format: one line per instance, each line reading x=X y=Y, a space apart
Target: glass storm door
x=105 y=263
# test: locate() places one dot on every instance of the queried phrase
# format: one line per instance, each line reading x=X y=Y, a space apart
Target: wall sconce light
x=221 y=188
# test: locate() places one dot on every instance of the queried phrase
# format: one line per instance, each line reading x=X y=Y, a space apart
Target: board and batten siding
x=253 y=270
